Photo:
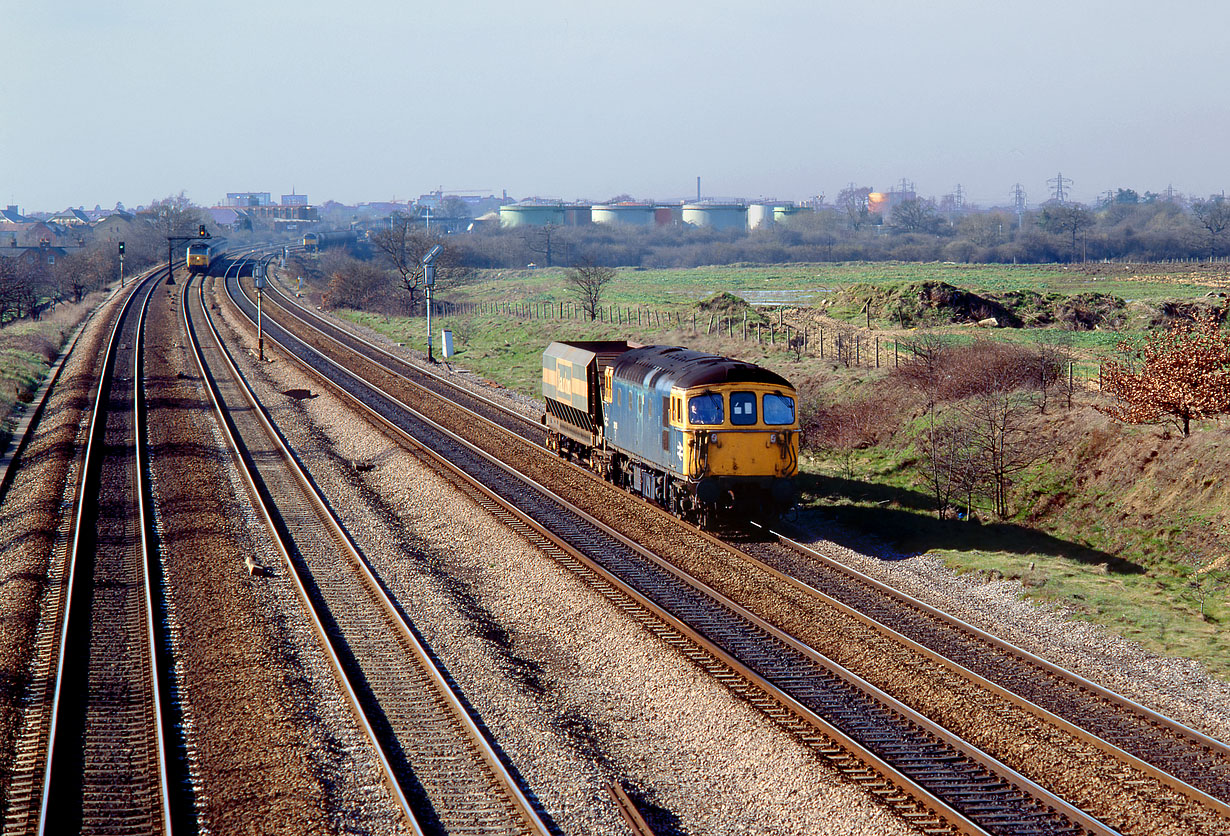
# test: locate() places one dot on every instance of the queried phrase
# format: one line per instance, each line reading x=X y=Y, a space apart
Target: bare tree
x=403 y=245
x=842 y=428
x=1068 y=218
x=997 y=420
x=1214 y=215
x=174 y=215
x=949 y=464
x=357 y=285
x=853 y=201
x=915 y=215
x=547 y=241
x=586 y=282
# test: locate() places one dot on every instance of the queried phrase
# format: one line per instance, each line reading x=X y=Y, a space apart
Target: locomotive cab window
x=742 y=408
x=706 y=409
x=778 y=409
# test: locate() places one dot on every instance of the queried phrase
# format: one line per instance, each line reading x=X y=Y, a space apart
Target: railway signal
x=121 y=264
x=258 y=280
x=429 y=280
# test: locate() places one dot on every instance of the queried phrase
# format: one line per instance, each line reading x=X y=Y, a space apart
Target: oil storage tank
x=623 y=214
x=760 y=214
x=532 y=214
x=716 y=215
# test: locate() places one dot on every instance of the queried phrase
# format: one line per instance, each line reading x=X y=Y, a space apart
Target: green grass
x=20 y=373
x=810 y=283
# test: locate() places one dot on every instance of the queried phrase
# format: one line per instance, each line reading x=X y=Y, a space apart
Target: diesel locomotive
x=710 y=438
x=314 y=242
x=202 y=254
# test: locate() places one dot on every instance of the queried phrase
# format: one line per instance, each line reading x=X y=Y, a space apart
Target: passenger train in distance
x=712 y=439
x=204 y=254
x=314 y=242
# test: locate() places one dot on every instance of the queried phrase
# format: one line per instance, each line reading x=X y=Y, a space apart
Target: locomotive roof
x=686 y=368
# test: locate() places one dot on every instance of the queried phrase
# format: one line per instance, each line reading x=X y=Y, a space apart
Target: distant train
x=202 y=255
x=314 y=242
x=710 y=438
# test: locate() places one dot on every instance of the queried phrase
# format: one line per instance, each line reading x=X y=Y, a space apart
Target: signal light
x=202 y=231
x=121 y=248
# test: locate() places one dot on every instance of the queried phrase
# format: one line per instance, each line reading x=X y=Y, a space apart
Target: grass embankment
x=27 y=350
x=1124 y=526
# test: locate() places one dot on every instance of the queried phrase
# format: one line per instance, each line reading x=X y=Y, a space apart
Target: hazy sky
x=132 y=100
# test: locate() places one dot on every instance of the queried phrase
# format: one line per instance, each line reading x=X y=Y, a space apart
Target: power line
x=1060 y=184
x=1019 y=203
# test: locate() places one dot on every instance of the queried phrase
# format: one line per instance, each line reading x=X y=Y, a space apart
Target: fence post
x=821 y=326
x=877 y=352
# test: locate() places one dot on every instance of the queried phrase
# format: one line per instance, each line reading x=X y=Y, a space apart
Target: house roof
x=70 y=216
x=223 y=217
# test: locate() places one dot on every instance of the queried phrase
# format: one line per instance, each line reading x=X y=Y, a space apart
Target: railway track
x=446 y=774
x=1179 y=757
x=930 y=775
x=92 y=756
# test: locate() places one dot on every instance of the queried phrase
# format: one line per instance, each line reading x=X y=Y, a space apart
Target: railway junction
x=324 y=587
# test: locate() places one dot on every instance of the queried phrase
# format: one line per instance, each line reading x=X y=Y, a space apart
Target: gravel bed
x=40 y=497
x=272 y=746
x=575 y=692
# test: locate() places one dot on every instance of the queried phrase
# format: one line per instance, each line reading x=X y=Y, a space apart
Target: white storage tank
x=716 y=215
x=760 y=214
x=623 y=214
x=532 y=214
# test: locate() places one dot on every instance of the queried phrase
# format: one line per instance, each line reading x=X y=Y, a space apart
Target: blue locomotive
x=707 y=437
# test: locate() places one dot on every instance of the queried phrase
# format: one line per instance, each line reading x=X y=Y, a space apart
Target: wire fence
x=843 y=344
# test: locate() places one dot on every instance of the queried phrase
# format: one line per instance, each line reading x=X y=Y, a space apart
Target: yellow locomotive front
x=199 y=256
x=738 y=430
x=740 y=444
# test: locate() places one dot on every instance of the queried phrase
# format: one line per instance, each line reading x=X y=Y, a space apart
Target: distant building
x=43 y=254
x=115 y=227
x=31 y=233
x=245 y=199
x=294 y=199
x=70 y=217
x=225 y=217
